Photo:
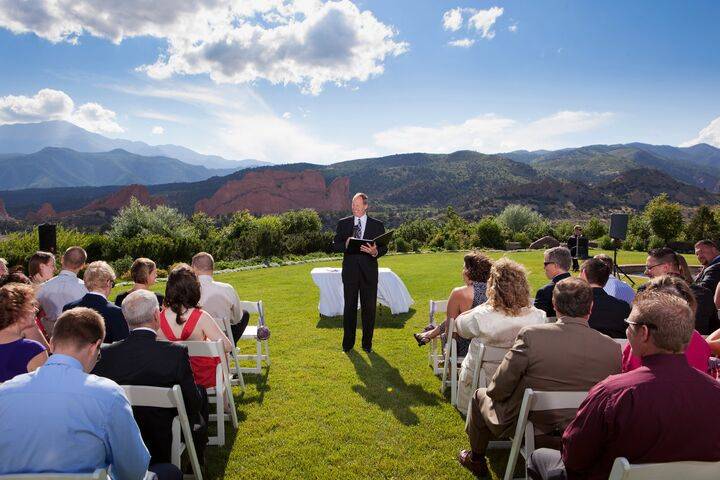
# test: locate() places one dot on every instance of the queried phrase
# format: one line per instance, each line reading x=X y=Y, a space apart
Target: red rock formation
x=121 y=198
x=46 y=212
x=275 y=191
x=4 y=215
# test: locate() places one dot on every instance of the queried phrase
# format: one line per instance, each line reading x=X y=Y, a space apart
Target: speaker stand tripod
x=617 y=269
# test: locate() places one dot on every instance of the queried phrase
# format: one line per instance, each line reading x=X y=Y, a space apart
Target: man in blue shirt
x=60 y=419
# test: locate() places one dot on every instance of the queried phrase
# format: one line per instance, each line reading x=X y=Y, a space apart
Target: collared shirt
x=619 y=289
x=363 y=223
x=57 y=292
x=647 y=415
x=220 y=300
x=144 y=328
x=60 y=419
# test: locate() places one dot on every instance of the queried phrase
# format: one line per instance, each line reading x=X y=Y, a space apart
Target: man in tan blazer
x=563 y=356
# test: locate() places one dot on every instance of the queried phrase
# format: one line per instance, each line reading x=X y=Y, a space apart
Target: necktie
x=357 y=230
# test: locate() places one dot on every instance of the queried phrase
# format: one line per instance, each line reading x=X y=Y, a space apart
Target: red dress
x=203 y=367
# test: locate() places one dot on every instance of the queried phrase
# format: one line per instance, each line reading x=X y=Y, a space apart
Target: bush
x=488 y=234
x=451 y=244
x=416 y=246
x=122 y=267
x=516 y=218
x=522 y=238
x=563 y=230
x=421 y=231
x=605 y=242
x=665 y=218
x=401 y=245
x=595 y=228
x=538 y=230
x=702 y=226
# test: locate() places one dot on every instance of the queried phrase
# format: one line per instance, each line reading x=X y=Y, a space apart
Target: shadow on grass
x=217 y=458
x=383 y=319
x=385 y=387
x=261 y=385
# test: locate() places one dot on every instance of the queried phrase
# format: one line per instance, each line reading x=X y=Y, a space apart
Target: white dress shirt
x=363 y=222
x=220 y=300
x=57 y=292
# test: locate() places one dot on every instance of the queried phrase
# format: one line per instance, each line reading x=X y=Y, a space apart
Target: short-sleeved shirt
x=15 y=356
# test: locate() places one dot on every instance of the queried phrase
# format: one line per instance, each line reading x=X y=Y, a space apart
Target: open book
x=382 y=240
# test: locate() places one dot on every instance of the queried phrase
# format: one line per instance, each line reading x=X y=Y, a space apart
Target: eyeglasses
x=545 y=264
x=650 y=326
x=650 y=267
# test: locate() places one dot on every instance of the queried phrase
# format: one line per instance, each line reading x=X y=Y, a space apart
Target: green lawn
x=320 y=413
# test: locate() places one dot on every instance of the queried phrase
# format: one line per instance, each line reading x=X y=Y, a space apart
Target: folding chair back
x=624 y=470
x=486 y=354
x=222 y=390
x=436 y=351
x=236 y=376
x=450 y=367
x=99 y=474
x=143 y=396
x=250 y=333
x=534 y=402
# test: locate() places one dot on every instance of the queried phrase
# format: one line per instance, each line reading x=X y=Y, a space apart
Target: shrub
x=451 y=244
x=702 y=226
x=416 y=246
x=488 y=234
x=563 y=230
x=422 y=231
x=401 y=245
x=665 y=218
x=605 y=242
x=595 y=228
x=516 y=218
x=122 y=267
x=522 y=238
x=538 y=230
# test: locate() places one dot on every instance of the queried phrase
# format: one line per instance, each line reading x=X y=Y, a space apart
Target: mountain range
x=32 y=137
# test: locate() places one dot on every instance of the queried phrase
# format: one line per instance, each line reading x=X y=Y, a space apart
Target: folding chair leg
x=453 y=384
x=258 y=358
x=267 y=351
x=231 y=402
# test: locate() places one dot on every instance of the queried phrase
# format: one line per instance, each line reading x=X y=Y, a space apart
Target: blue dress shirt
x=60 y=419
x=619 y=289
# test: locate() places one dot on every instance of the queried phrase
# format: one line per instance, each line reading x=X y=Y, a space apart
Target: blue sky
x=308 y=80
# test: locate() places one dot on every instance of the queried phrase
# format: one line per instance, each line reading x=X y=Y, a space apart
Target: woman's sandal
x=420 y=339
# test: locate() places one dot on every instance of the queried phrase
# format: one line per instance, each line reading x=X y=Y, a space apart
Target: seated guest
x=183 y=320
x=60 y=419
x=66 y=287
x=41 y=267
x=141 y=360
x=143 y=273
x=608 y=313
x=496 y=322
x=219 y=299
x=556 y=265
x=36 y=331
x=614 y=286
x=549 y=357
x=708 y=255
x=17 y=313
x=100 y=279
x=649 y=415
x=475 y=274
x=664 y=261
x=697 y=351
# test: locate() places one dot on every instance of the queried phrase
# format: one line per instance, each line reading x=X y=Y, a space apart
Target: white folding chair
x=222 y=390
x=624 y=470
x=99 y=474
x=486 y=354
x=534 y=402
x=250 y=333
x=451 y=363
x=143 y=396
x=236 y=376
x=436 y=347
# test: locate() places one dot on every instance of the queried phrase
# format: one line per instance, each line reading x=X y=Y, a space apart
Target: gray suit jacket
x=566 y=355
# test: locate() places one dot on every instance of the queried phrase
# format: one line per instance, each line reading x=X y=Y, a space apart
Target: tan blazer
x=563 y=356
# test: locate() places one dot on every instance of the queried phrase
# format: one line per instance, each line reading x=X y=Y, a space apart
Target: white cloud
x=453 y=19
x=513 y=28
x=287 y=115
x=305 y=42
x=462 y=43
x=158 y=130
x=483 y=21
x=49 y=104
x=491 y=133
x=709 y=135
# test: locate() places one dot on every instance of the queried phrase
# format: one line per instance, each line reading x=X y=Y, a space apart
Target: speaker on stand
x=618 y=233
x=47 y=233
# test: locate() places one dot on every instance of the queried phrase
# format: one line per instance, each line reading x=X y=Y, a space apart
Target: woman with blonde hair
x=496 y=322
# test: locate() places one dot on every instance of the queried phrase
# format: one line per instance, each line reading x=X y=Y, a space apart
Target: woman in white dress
x=496 y=322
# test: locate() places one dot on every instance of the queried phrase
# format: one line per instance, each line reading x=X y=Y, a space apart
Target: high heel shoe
x=420 y=339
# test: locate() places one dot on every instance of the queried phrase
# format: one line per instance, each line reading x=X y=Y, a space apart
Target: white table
x=391 y=291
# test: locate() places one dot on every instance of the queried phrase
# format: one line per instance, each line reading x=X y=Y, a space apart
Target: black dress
x=479 y=297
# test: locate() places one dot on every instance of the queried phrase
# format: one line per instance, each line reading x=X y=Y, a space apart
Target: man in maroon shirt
x=648 y=415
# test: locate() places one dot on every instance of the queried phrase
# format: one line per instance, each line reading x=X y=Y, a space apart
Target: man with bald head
x=219 y=299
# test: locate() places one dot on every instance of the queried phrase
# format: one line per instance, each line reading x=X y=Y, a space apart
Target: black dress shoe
x=368 y=349
x=420 y=339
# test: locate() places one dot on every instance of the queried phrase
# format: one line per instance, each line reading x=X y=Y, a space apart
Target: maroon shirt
x=663 y=411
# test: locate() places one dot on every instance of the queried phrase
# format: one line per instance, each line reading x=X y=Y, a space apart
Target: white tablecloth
x=391 y=291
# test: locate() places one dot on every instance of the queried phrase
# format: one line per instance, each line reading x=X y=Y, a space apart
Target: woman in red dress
x=182 y=319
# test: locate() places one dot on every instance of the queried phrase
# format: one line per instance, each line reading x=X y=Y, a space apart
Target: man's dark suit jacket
x=543 y=297
x=706 y=315
x=141 y=360
x=608 y=314
x=709 y=277
x=358 y=265
x=116 y=327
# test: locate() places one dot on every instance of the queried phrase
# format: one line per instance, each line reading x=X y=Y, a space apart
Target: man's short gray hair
x=139 y=307
x=560 y=256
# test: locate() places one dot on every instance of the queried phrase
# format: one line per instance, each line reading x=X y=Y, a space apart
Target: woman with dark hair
x=182 y=319
x=144 y=274
x=18 y=355
x=697 y=350
x=475 y=272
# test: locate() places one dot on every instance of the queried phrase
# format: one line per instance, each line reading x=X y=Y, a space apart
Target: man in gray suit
x=566 y=355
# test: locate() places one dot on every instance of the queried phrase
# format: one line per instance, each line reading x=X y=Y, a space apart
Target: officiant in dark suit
x=360 y=271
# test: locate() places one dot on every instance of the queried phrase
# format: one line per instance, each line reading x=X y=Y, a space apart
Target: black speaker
x=47 y=233
x=618 y=225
